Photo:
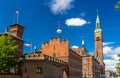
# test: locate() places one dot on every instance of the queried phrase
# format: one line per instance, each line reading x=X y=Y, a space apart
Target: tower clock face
x=97 y=37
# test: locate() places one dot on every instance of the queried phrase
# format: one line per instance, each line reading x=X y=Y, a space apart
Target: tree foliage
x=118 y=65
x=117 y=6
x=7 y=52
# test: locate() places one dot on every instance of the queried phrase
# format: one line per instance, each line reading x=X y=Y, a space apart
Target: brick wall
x=56 y=48
x=10 y=76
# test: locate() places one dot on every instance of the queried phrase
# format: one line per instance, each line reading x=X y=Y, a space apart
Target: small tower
x=98 y=38
x=83 y=45
x=6 y=30
x=17 y=30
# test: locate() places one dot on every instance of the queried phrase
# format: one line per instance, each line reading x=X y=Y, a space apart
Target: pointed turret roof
x=97 y=19
x=82 y=42
x=97 y=29
x=6 y=29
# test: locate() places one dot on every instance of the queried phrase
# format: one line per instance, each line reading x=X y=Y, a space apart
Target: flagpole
x=30 y=47
x=17 y=16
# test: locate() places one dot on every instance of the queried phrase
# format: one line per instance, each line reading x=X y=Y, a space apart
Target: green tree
x=118 y=66
x=8 y=48
x=117 y=6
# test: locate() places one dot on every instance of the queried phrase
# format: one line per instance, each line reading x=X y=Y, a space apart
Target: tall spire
x=97 y=19
x=97 y=29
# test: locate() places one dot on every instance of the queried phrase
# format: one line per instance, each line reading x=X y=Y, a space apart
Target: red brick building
x=60 y=49
x=35 y=65
x=92 y=63
x=57 y=60
x=16 y=31
x=43 y=66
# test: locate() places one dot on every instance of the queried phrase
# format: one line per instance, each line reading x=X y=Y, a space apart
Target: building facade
x=60 y=49
x=43 y=66
x=16 y=31
x=92 y=63
x=98 y=40
x=110 y=74
x=57 y=60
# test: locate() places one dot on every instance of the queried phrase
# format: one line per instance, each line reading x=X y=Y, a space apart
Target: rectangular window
x=54 y=47
x=85 y=65
x=39 y=70
x=25 y=70
x=84 y=59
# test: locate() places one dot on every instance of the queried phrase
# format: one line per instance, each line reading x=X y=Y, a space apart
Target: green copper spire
x=97 y=19
x=82 y=42
x=97 y=29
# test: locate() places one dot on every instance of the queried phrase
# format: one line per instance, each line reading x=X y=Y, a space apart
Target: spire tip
x=6 y=29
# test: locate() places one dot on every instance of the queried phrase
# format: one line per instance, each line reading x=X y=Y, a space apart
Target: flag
x=28 y=45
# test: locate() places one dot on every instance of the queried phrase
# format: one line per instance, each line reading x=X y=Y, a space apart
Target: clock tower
x=98 y=39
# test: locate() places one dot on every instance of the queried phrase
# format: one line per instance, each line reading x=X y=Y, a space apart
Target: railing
x=44 y=57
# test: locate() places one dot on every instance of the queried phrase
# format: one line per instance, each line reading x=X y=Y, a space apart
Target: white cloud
x=115 y=57
x=117 y=50
x=107 y=43
x=61 y=6
x=107 y=49
x=76 y=22
x=74 y=46
x=110 y=64
x=110 y=52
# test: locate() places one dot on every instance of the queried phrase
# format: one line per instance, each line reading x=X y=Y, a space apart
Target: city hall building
x=56 y=59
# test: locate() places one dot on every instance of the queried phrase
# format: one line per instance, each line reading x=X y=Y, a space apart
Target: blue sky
x=40 y=19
